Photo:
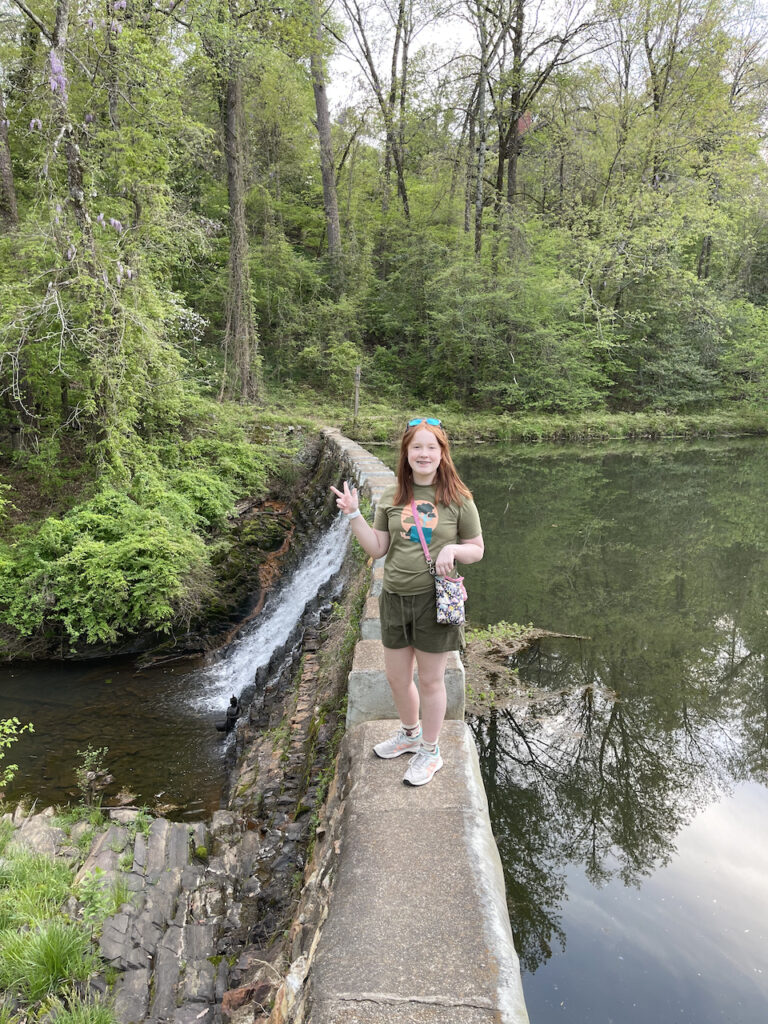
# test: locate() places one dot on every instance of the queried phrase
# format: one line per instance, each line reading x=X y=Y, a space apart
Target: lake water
x=628 y=792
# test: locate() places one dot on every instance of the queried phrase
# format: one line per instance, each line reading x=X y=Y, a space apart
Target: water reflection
x=610 y=788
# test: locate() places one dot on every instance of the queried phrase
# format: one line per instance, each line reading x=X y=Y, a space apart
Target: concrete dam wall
x=414 y=926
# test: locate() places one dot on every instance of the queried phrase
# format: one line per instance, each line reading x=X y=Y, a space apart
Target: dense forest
x=512 y=206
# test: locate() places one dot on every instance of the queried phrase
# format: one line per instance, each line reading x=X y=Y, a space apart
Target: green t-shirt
x=405 y=568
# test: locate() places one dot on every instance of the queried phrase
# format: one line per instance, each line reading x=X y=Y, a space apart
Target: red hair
x=449 y=487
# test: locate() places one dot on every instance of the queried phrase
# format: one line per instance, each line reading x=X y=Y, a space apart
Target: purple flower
x=71 y=252
x=119 y=5
x=113 y=223
x=89 y=119
x=100 y=220
x=35 y=123
x=91 y=23
x=57 y=79
x=116 y=28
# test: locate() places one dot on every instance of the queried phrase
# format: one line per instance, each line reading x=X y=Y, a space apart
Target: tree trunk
x=481 y=135
x=330 y=199
x=241 y=343
x=469 y=190
x=518 y=67
x=498 y=202
x=9 y=212
x=702 y=270
x=390 y=142
x=386 y=99
x=75 y=175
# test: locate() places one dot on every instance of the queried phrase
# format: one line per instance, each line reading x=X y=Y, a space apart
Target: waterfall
x=235 y=666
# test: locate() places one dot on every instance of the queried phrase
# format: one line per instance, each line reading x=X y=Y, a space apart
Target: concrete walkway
x=418 y=929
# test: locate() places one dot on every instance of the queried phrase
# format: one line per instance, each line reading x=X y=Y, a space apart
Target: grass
x=45 y=955
x=42 y=960
x=75 y=1010
x=382 y=422
x=32 y=886
x=99 y=900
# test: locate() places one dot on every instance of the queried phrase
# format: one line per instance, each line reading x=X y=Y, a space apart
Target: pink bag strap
x=424 y=548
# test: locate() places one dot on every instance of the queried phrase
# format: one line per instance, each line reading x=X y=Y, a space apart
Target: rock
x=289 y=991
x=124 y=815
x=199 y=980
x=223 y=824
x=132 y=995
x=158 y=834
x=39 y=835
x=235 y=998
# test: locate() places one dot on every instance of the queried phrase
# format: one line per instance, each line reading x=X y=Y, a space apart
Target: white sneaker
x=400 y=743
x=422 y=767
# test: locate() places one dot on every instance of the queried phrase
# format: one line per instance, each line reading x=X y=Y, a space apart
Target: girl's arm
x=373 y=542
x=466 y=552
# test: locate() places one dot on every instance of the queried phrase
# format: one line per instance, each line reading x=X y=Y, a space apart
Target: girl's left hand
x=445 y=560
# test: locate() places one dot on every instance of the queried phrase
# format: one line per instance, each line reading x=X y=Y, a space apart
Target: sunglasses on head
x=425 y=419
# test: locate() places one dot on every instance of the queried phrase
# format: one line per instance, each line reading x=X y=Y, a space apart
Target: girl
x=410 y=632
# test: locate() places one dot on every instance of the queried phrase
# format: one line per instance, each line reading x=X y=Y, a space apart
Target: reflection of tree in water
x=660 y=554
x=579 y=775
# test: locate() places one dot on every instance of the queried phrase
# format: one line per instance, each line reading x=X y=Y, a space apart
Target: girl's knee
x=431 y=684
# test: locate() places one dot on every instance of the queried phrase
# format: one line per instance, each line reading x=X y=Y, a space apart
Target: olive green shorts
x=410 y=620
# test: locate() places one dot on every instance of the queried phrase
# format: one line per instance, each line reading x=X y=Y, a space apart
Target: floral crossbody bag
x=450 y=593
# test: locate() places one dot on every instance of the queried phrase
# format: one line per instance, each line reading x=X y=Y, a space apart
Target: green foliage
x=505 y=632
x=105 y=568
x=10 y=730
x=5 y=502
x=87 y=771
x=32 y=886
x=38 y=962
x=138 y=558
x=44 y=955
x=99 y=900
x=73 y=1009
x=74 y=813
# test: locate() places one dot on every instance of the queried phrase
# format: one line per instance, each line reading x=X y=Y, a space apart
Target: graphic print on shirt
x=428 y=518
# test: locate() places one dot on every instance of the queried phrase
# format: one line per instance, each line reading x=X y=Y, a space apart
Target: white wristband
x=353 y=515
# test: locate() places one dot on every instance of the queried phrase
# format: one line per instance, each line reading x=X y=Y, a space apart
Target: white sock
x=411 y=730
x=431 y=747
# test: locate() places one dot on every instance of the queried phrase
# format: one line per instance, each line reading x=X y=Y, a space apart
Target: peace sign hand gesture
x=347 y=500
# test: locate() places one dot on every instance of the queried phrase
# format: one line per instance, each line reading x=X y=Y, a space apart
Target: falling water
x=233 y=669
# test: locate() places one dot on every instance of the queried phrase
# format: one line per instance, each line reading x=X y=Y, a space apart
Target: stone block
x=124 y=815
x=140 y=853
x=165 y=981
x=158 y=834
x=177 y=853
x=199 y=941
x=199 y=979
x=370 y=625
x=378 y=579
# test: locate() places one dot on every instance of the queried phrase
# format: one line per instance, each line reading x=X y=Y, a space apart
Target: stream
x=159 y=724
